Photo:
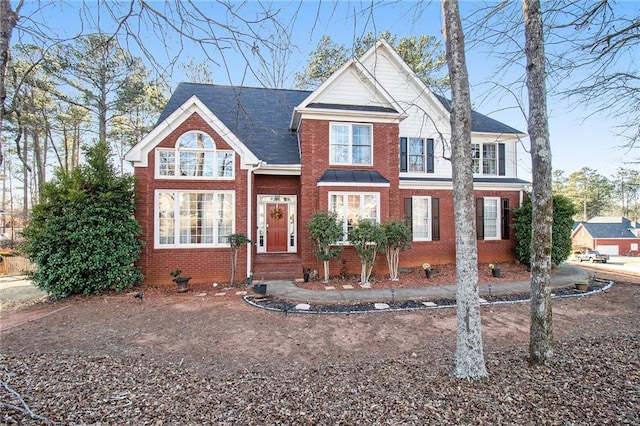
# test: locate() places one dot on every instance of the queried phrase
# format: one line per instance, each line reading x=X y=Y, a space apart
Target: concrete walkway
x=563 y=276
x=17 y=289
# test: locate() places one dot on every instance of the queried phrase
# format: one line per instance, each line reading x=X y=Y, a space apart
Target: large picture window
x=351 y=207
x=350 y=144
x=195 y=156
x=188 y=219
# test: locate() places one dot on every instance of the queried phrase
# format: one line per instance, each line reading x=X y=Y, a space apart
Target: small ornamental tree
x=325 y=230
x=397 y=237
x=82 y=236
x=235 y=242
x=563 y=212
x=367 y=237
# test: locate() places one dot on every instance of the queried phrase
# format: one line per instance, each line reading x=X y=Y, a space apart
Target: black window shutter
x=403 y=154
x=505 y=218
x=480 y=218
x=430 y=156
x=435 y=219
x=501 y=159
x=408 y=212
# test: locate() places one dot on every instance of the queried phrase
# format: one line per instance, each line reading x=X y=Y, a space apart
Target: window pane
x=361 y=155
x=370 y=208
x=197 y=140
x=225 y=164
x=489 y=159
x=167 y=160
x=490 y=218
x=475 y=155
x=194 y=163
x=225 y=217
x=166 y=220
x=416 y=155
x=421 y=218
x=361 y=144
x=196 y=218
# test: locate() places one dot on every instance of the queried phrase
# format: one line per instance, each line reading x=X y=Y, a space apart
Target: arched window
x=195 y=156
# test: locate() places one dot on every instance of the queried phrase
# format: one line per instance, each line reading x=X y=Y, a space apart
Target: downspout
x=249 y=216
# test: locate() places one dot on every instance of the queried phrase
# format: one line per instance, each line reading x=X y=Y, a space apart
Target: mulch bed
x=416 y=277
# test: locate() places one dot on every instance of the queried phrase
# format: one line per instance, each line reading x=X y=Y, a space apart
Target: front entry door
x=277 y=227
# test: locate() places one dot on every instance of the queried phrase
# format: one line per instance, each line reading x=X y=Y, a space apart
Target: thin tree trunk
x=541 y=328
x=469 y=361
x=8 y=20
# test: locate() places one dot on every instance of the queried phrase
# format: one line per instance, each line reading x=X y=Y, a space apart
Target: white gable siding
x=351 y=89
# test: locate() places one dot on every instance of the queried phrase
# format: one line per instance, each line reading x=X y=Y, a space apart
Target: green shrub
x=82 y=236
x=563 y=211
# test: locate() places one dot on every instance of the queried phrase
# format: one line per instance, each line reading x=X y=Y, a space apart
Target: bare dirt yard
x=201 y=359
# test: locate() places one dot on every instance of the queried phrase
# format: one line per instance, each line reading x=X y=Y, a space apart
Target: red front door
x=277 y=223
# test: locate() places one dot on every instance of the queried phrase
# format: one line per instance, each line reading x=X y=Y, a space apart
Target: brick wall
x=202 y=264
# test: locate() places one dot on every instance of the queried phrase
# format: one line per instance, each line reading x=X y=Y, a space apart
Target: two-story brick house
x=370 y=142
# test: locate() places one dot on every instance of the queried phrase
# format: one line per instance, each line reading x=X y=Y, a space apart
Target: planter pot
x=182 y=284
x=260 y=289
x=496 y=272
x=583 y=287
x=429 y=272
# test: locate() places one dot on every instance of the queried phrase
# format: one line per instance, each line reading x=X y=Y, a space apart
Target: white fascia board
x=342 y=115
x=279 y=169
x=138 y=155
x=448 y=185
x=497 y=136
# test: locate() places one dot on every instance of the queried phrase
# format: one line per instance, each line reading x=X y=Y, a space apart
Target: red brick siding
x=314 y=137
x=202 y=264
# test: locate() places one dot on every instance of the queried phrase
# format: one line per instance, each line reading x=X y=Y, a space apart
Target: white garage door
x=610 y=250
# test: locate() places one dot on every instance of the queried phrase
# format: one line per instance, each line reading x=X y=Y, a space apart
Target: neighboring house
x=370 y=142
x=608 y=235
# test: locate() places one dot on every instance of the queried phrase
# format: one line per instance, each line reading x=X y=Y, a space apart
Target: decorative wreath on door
x=276 y=213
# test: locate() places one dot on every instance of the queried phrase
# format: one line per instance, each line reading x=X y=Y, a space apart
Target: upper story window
x=195 y=156
x=350 y=144
x=488 y=158
x=416 y=155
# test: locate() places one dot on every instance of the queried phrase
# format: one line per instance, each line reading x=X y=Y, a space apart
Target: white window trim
x=350 y=162
x=498 y=218
x=413 y=215
x=176 y=151
x=345 y=227
x=176 y=244
x=480 y=171
x=424 y=156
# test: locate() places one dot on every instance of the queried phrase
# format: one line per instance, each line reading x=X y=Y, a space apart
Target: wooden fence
x=15 y=265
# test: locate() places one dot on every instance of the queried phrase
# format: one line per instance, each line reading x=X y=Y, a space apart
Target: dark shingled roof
x=481 y=123
x=609 y=230
x=260 y=117
x=353 y=176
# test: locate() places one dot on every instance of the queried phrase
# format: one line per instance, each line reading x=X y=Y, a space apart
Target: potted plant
x=582 y=285
x=182 y=282
x=496 y=272
x=428 y=270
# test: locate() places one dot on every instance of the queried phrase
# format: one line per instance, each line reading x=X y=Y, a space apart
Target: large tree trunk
x=469 y=355
x=541 y=329
x=8 y=20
